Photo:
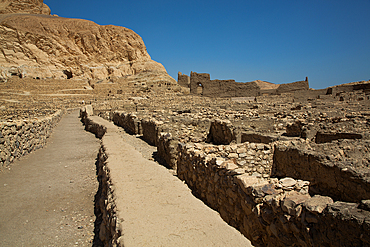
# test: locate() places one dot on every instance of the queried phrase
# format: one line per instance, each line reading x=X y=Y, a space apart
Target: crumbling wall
x=221 y=132
x=21 y=137
x=358 y=86
x=130 y=122
x=272 y=212
x=242 y=182
x=201 y=83
x=167 y=150
x=221 y=88
x=250 y=136
x=183 y=80
x=328 y=176
x=291 y=87
x=323 y=137
x=109 y=230
x=90 y=126
x=151 y=130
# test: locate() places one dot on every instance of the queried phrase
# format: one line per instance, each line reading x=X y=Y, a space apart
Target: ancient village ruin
x=285 y=165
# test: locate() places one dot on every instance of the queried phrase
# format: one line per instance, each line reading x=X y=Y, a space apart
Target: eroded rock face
x=44 y=46
x=24 y=6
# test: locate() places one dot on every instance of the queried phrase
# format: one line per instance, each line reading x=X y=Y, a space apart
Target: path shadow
x=98 y=213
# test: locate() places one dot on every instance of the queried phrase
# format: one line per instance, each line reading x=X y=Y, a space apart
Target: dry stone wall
x=272 y=211
x=224 y=148
x=253 y=181
x=344 y=179
x=18 y=138
x=105 y=201
x=109 y=231
x=128 y=121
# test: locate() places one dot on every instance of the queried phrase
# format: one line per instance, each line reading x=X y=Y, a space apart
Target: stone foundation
x=272 y=212
x=341 y=180
x=276 y=190
x=105 y=203
x=21 y=137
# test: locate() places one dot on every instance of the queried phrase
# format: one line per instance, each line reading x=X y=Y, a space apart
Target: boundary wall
x=18 y=138
x=235 y=180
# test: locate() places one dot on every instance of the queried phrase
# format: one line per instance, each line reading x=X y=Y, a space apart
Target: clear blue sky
x=276 y=41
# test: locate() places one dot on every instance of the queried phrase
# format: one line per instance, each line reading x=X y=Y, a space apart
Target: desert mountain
x=35 y=44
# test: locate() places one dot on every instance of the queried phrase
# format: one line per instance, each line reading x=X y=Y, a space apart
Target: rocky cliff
x=35 y=44
x=24 y=6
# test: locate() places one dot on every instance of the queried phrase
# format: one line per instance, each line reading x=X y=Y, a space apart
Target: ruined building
x=201 y=84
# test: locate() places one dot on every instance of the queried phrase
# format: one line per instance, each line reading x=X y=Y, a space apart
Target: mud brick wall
x=221 y=88
x=21 y=137
x=272 y=212
x=291 y=87
x=327 y=176
x=183 y=80
x=130 y=122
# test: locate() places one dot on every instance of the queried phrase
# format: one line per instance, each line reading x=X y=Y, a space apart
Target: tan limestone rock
x=44 y=46
x=24 y=6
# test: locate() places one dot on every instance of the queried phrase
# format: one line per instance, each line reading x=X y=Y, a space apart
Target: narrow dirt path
x=47 y=197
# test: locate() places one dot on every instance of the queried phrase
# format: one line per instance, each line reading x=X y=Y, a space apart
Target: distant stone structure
x=201 y=84
x=363 y=86
x=183 y=80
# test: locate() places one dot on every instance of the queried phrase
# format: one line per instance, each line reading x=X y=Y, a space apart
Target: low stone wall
x=242 y=182
x=151 y=130
x=105 y=203
x=272 y=212
x=167 y=150
x=221 y=132
x=257 y=137
x=21 y=137
x=90 y=126
x=130 y=122
x=328 y=176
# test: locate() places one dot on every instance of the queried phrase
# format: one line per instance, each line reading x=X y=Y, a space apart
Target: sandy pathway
x=47 y=198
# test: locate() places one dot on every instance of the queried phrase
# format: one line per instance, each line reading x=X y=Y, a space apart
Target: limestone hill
x=37 y=45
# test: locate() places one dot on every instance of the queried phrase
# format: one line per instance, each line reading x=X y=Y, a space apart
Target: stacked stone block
x=18 y=138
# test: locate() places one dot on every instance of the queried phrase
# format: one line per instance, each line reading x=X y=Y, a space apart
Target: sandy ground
x=47 y=197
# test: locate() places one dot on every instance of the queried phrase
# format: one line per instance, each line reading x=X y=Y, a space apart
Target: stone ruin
x=282 y=170
x=284 y=164
x=201 y=84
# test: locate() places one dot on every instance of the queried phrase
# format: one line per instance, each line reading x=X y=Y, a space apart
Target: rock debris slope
x=35 y=44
